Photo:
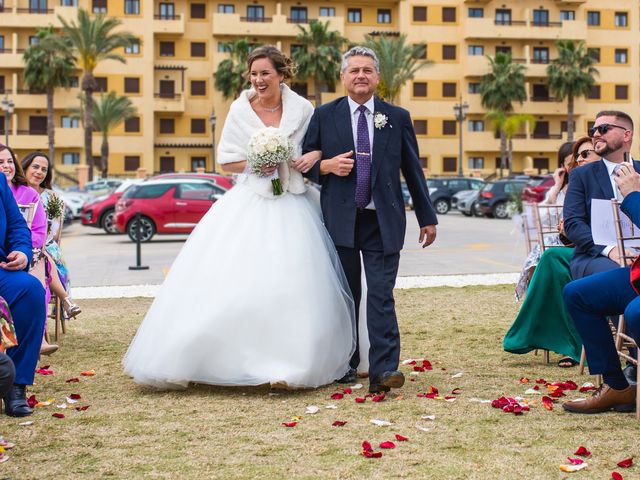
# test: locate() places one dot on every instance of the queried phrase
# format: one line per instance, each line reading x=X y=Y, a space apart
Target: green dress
x=543 y=321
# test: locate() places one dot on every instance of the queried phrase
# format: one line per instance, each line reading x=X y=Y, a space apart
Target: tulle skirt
x=257 y=295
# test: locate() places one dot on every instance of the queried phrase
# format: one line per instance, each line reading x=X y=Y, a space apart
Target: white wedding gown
x=256 y=296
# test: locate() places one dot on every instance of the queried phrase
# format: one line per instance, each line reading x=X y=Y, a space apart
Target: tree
x=571 y=75
x=399 y=62
x=48 y=65
x=318 y=58
x=511 y=125
x=499 y=88
x=93 y=40
x=230 y=76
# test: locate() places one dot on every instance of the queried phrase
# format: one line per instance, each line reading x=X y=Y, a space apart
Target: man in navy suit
x=366 y=143
x=590 y=300
x=25 y=296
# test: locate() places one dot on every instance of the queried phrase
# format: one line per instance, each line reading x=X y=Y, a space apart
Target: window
x=198 y=10
x=197 y=191
x=420 y=126
x=198 y=162
x=132 y=125
x=622 y=92
x=167 y=11
x=448 y=52
x=1 y=43
x=132 y=7
x=167 y=125
x=475 y=162
x=198 y=87
x=541 y=163
x=540 y=55
x=422 y=53
x=476 y=125
x=226 y=8
x=621 y=55
x=621 y=19
x=541 y=130
x=384 y=15
x=419 y=89
x=167 y=164
x=167 y=49
x=327 y=11
x=475 y=50
x=564 y=126
x=449 y=164
x=133 y=48
x=593 y=19
x=449 y=14
x=503 y=16
x=198 y=49
x=354 y=15
x=131 y=163
x=198 y=125
x=69 y=3
x=255 y=13
x=475 y=12
x=449 y=127
x=131 y=85
x=424 y=162
x=540 y=92
x=567 y=15
x=449 y=89
x=594 y=93
x=301 y=89
x=594 y=53
x=70 y=158
x=101 y=84
x=474 y=87
x=419 y=14
x=506 y=49
x=33 y=40
x=541 y=17
x=298 y=15
x=69 y=122
x=99 y=6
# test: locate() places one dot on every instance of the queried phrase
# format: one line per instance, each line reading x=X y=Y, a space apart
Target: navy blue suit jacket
x=395 y=150
x=631 y=206
x=14 y=233
x=586 y=182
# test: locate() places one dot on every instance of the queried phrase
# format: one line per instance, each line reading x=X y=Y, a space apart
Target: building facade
x=169 y=73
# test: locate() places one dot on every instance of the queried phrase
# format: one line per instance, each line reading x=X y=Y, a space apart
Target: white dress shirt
x=610 y=170
x=355 y=115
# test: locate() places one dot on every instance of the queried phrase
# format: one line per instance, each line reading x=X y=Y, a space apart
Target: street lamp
x=460 y=109
x=7 y=106
x=212 y=122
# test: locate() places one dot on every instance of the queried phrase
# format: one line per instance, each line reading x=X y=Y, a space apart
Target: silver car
x=465 y=202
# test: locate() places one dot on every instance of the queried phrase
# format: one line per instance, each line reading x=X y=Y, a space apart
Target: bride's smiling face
x=264 y=78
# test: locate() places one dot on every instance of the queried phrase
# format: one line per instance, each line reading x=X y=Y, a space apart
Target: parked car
x=171 y=205
x=73 y=201
x=494 y=197
x=441 y=190
x=466 y=202
x=100 y=212
x=537 y=188
x=223 y=181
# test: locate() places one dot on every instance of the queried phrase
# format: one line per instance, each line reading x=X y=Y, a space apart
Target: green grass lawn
x=211 y=432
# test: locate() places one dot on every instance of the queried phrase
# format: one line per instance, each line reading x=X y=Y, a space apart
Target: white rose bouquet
x=268 y=147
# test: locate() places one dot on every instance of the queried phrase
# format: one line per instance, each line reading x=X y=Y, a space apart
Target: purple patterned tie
x=363 y=161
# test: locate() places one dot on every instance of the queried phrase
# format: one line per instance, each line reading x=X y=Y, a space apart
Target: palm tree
x=571 y=75
x=399 y=62
x=511 y=125
x=230 y=78
x=48 y=65
x=499 y=88
x=318 y=58
x=93 y=40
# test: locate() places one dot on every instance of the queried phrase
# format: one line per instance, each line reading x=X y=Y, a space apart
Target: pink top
x=25 y=195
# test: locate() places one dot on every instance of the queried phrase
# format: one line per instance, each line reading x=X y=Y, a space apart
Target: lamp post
x=212 y=122
x=7 y=106
x=460 y=110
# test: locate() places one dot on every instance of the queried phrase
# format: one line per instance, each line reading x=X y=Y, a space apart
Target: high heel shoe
x=48 y=348
x=71 y=309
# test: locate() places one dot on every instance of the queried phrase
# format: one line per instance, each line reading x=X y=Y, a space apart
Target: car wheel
x=441 y=206
x=147 y=229
x=465 y=213
x=500 y=210
x=474 y=210
x=107 y=223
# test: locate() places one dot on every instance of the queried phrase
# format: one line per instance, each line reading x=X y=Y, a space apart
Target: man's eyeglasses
x=585 y=153
x=604 y=128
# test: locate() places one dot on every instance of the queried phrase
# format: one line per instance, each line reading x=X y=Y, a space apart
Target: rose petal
x=366 y=446
x=428 y=417
x=557 y=393
x=400 y=438
x=289 y=424
x=357 y=386
x=337 y=396
x=427 y=365
x=347 y=391
x=378 y=398
x=548 y=404
x=524 y=380
x=582 y=451
x=72 y=380
x=312 y=409
x=457 y=375
x=575 y=461
x=88 y=373
x=83 y=408
x=380 y=423
x=626 y=463
x=616 y=476
x=331 y=406
x=57 y=415
x=360 y=400
x=573 y=468
x=387 y=444
x=409 y=361
x=532 y=391
x=75 y=396
x=370 y=454
x=32 y=401
x=338 y=423
x=71 y=400
x=456 y=391
x=541 y=380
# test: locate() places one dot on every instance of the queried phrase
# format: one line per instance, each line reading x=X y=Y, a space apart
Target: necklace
x=270 y=110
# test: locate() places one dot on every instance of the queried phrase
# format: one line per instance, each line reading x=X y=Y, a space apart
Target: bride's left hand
x=304 y=163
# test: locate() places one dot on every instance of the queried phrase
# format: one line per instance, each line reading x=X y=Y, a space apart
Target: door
x=298 y=15
x=167 y=89
x=167 y=164
x=37 y=125
x=167 y=11
x=192 y=201
x=503 y=16
x=255 y=13
x=541 y=130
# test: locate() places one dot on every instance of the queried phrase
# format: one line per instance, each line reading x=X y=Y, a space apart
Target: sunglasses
x=585 y=153
x=604 y=128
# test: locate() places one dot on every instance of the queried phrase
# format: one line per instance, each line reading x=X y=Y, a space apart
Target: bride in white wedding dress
x=257 y=294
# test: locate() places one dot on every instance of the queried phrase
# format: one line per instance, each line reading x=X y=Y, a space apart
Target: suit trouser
x=7 y=374
x=25 y=296
x=590 y=300
x=380 y=271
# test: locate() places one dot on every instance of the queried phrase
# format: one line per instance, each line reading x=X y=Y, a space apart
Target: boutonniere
x=380 y=120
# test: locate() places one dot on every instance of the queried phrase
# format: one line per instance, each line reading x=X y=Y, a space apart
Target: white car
x=74 y=201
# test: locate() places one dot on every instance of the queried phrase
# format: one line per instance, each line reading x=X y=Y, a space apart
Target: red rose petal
x=289 y=424
x=575 y=461
x=83 y=408
x=370 y=454
x=44 y=371
x=72 y=380
x=541 y=380
x=432 y=389
x=616 y=476
x=338 y=423
x=524 y=380
x=57 y=415
x=418 y=368
x=75 y=396
x=412 y=362
x=427 y=365
x=347 y=391
x=557 y=393
x=582 y=451
x=626 y=463
x=456 y=391
x=387 y=445
x=400 y=438
x=378 y=398
x=31 y=401
x=360 y=400
x=337 y=396
x=366 y=446
x=548 y=404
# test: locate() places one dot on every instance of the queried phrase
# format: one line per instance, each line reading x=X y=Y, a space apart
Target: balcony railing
x=540 y=61
x=170 y=96
x=510 y=22
x=39 y=11
x=28 y=91
x=299 y=20
x=545 y=24
x=165 y=16
x=257 y=19
x=544 y=99
x=547 y=136
x=6 y=50
x=32 y=132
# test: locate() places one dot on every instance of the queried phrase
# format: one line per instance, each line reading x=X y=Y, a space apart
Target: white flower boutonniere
x=380 y=120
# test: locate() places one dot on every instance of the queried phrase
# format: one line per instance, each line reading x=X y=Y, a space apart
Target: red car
x=166 y=206
x=100 y=212
x=537 y=188
x=223 y=181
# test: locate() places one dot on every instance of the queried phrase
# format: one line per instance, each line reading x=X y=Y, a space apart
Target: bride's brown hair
x=283 y=64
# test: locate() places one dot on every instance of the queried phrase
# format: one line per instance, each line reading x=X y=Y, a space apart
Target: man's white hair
x=362 y=52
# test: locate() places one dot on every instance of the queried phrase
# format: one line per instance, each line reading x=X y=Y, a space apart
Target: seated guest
x=7 y=340
x=25 y=297
x=591 y=300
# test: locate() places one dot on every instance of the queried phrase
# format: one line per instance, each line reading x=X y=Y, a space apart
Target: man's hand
x=340 y=165
x=615 y=256
x=304 y=163
x=15 y=261
x=627 y=179
x=427 y=235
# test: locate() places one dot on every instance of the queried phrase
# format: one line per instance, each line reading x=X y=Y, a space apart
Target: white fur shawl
x=242 y=122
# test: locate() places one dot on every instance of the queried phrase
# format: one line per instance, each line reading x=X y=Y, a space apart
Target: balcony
x=69 y=137
x=26 y=17
x=169 y=24
x=489 y=28
x=163 y=102
x=276 y=26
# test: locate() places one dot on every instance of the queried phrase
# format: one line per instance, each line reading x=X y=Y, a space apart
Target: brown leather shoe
x=604 y=399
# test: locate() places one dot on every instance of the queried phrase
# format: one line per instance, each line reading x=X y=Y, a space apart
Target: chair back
x=529 y=226
x=547 y=220
x=58 y=222
x=28 y=211
x=627 y=235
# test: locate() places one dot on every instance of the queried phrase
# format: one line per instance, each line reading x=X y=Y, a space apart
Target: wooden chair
x=529 y=226
x=28 y=211
x=56 y=303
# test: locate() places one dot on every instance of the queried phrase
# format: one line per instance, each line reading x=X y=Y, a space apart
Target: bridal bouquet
x=268 y=147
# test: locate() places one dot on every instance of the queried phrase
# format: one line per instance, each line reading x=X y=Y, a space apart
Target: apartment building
x=169 y=72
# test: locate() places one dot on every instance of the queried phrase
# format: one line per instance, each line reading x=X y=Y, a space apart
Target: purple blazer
x=25 y=195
